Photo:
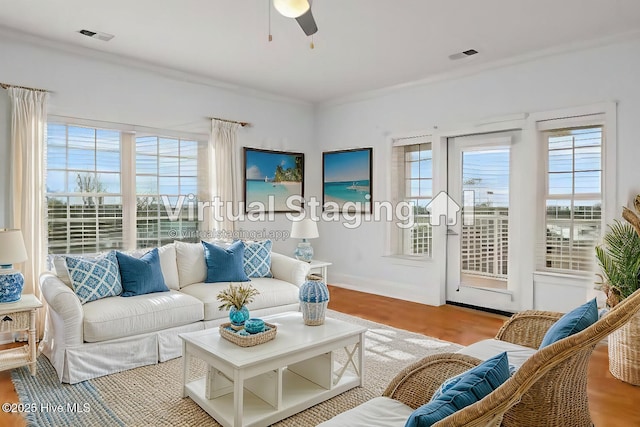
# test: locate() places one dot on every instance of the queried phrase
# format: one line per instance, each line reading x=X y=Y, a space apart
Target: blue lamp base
x=11 y=284
x=304 y=251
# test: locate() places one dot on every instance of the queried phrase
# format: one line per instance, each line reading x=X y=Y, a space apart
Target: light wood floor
x=613 y=402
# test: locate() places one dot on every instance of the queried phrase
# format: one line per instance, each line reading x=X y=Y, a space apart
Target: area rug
x=152 y=395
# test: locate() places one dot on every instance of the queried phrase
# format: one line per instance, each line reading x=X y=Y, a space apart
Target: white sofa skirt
x=90 y=360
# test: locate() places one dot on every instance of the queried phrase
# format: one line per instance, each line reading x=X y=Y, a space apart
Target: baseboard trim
x=398 y=290
x=485 y=309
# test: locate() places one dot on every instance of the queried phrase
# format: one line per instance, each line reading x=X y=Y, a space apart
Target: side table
x=20 y=316
x=320 y=266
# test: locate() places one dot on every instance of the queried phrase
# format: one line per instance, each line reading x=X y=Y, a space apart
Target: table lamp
x=12 y=251
x=304 y=229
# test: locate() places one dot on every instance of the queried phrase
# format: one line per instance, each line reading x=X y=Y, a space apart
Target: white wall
x=572 y=79
x=89 y=87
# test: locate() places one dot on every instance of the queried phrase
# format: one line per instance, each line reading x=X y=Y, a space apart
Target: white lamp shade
x=12 y=250
x=305 y=229
x=291 y=8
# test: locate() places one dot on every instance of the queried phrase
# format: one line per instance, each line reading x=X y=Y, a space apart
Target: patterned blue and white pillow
x=95 y=278
x=257 y=259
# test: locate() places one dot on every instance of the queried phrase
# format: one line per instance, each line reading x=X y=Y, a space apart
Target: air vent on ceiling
x=463 y=54
x=97 y=35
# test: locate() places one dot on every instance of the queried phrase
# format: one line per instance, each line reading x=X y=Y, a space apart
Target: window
x=166 y=170
x=92 y=173
x=573 y=196
x=84 y=201
x=413 y=182
x=484 y=243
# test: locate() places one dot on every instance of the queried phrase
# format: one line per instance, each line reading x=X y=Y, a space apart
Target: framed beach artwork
x=346 y=179
x=270 y=178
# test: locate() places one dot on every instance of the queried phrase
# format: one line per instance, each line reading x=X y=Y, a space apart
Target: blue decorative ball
x=243 y=333
x=254 y=326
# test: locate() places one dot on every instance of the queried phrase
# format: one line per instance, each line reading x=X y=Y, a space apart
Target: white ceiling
x=361 y=45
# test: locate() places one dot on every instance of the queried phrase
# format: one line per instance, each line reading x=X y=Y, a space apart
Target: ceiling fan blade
x=307 y=23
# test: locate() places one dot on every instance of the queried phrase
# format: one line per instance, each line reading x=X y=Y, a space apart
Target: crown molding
x=161 y=70
x=190 y=77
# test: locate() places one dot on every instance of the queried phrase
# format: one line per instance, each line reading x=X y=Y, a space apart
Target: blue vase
x=304 y=251
x=314 y=297
x=314 y=290
x=11 y=284
x=238 y=317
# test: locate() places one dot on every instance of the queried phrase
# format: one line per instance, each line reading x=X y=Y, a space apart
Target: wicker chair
x=549 y=389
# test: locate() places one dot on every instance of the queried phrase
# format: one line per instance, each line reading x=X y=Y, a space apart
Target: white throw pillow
x=192 y=267
x=60 y=265
x=169 y=266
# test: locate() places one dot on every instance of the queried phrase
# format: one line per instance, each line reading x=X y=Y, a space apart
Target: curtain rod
x=243 y=124
x=7 y=86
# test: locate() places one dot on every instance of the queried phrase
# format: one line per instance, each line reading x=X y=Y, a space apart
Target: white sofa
x=113 y=334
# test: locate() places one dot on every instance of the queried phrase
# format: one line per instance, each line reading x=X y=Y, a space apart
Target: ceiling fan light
x=291 y=8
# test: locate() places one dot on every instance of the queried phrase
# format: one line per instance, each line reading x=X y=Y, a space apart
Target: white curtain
x=228 y=174
x=28 y=124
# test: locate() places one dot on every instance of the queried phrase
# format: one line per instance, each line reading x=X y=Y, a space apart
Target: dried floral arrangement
x=236 y=296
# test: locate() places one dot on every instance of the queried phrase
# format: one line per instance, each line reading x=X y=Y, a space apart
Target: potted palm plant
x=235 y=299
x=619 y=259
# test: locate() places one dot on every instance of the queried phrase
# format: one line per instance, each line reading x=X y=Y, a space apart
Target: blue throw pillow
x=141 y=275
x=571 y=323
x=446 y=385
x=225 y=265
x=257 y=259
x=471 y=386
x=429 y=414
x=94 y=278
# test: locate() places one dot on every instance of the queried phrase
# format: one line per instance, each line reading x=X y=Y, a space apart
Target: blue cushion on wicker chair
x=571 y=323
x=471 y=386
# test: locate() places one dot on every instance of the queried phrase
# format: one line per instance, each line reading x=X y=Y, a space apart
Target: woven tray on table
x=249 y=340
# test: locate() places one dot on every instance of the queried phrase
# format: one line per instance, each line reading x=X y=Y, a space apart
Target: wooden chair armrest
x=416 y=383
x=528 y=327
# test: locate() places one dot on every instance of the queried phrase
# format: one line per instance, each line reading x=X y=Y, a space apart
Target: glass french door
x=478 y=244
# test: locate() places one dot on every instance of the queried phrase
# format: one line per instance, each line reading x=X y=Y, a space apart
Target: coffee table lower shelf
x=298 y=394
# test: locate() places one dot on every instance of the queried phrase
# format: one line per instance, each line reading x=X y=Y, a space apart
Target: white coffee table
x=260 y=385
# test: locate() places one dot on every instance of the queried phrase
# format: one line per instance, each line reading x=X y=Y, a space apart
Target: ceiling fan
x=299 y=9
